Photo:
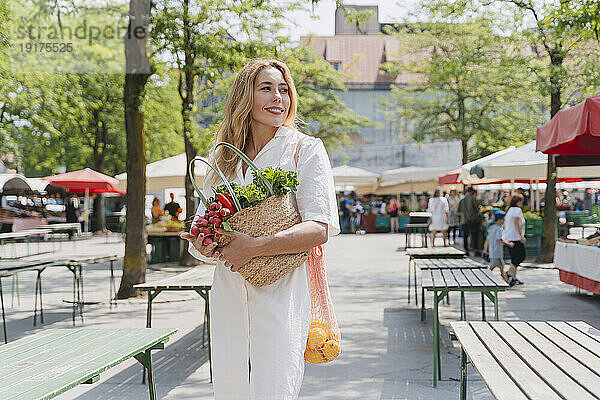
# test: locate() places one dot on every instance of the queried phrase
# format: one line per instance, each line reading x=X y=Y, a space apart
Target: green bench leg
x=15 y=288
x=415 y=284
x=409 y=262
x=145 y=359
x=38 y=293
x=437 y=367
x=3 y=316
x=482 y=306
x=423 y=316
x=493 y=296
x=463 y=374
x=463 y=308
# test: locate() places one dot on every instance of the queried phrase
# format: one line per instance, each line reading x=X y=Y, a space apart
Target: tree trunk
x=549 y=219
x=187 y=104
x=136 y=75
x=465 y=154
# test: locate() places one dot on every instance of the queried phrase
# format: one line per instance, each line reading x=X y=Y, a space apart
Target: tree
x=560 y=32
x=469 y=85
x=137 y=72
x=560 y=28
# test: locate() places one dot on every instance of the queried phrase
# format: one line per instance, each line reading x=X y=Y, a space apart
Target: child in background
x=493 y=247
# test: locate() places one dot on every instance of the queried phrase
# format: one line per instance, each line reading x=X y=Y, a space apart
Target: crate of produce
x=533 y=227
x=382 y=223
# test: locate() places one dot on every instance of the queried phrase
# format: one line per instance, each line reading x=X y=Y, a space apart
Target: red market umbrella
x=572 y=131
x=86 y=180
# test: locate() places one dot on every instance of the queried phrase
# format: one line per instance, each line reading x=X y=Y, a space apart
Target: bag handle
x=219 y=173
x=191 y=171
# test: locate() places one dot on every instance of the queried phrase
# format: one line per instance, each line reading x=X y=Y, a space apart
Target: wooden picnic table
x=418 y=253
x=10 y=268
x=199 y=280
x=48 y=363
x=533 y=360
x=443 y=281
x=13 y=237
x=410 y=229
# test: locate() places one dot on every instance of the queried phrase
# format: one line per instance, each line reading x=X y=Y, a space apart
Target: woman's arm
x=298 y=238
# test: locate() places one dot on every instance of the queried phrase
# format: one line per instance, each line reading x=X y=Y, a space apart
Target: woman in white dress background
x=438 y=207
x=258 y=335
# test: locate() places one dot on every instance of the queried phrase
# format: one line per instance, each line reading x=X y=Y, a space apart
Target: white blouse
x=258 y=335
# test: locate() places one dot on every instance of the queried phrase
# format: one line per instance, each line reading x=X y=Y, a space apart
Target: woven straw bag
x=271 y=216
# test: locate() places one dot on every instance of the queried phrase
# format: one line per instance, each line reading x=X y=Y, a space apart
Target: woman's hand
x=511 y=244
x=523 y=240
x=206 y=251
x=239 y=251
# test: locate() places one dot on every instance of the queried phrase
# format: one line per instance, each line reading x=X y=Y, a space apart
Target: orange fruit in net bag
x=316 y=337
x=331 y=349
x=314 y=356
x=318 y=323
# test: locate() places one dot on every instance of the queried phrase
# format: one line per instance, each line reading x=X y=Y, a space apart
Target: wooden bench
x=48 y=363
x=428 y=253
x=197 y=279
x=441 y=263
x=13 y=237
x=531 y=360
x=443 y=281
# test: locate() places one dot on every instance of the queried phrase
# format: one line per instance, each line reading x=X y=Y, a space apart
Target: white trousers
x=258 y=335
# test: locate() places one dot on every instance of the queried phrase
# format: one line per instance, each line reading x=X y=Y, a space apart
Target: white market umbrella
x=357 y=179
x=168 y=173
x=398 y=176
x=527 y=164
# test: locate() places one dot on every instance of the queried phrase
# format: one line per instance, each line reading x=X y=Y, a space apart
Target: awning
x=14 y=184
x=466 y=174
x=574 y=130
x=168 y=173
x=410 y=174
x=525 y=164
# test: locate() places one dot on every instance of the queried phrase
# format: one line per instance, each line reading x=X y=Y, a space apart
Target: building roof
x=362 y=56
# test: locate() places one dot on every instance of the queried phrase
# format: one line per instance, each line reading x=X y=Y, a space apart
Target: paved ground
x=387 y=350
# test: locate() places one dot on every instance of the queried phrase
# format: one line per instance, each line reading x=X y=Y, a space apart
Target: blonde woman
x=258 y=335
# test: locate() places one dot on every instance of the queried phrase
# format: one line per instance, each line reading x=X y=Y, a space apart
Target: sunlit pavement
x=386 y=349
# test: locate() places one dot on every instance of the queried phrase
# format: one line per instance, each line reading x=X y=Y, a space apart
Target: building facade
x=360 y=53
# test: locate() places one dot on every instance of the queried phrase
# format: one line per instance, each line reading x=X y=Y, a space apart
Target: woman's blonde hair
x=235 y=127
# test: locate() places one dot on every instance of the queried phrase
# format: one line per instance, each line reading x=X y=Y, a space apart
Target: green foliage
x=471 y=85
x=283 y=182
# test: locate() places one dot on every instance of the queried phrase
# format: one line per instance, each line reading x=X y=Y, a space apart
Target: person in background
x=468 y=210
x=71 y=213
x=514 y=232
x=383 y=207
x=578 y=204
x=493 y=248
x=346 y=209
x=438 y=207
x=156 y=210
x=393 y=213
x=173 y=208
x=453 y=219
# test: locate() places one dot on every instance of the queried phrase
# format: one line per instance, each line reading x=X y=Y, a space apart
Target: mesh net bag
x=323 y=343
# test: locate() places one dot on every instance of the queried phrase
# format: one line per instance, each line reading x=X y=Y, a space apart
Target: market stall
x=168 y=173
x=361 y=180
x=86 y=181
x=578 y=265
x=573 y=137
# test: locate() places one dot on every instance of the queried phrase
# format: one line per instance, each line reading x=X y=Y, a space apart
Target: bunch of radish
x=216 y=216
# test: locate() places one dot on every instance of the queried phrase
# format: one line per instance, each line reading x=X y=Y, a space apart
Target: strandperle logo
x=81 y=38
x=82 y=32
